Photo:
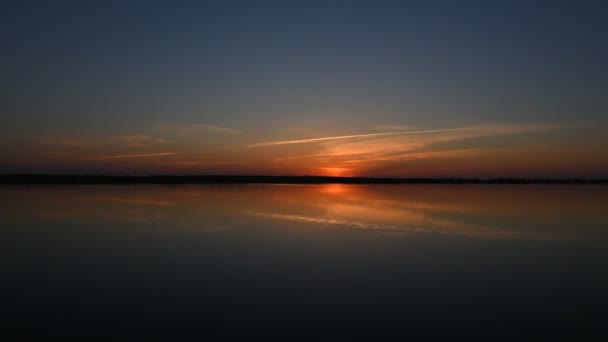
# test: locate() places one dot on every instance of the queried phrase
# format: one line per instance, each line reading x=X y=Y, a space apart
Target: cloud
x=61 y=141
x=202 y=163
x=135 y=201
x=393 y=127
x=365 y=153
x=133 y=140
x=509 y=128
x=218 y=129
x=122 y=156
x=406 y=156
x=137 y=140
x=312 y=140
x=196 y=128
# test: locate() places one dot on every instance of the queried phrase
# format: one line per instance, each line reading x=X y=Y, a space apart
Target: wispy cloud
x=406 y=156
x=203 y=163
x=371 y=135
x=137 y=140
x=377 y=153
x=181 y=132
x=312 y=140
x=218 y=129
x=123 y=156
x=61 y=141
x=393 y=127
x=84 y=141
x=135 y=201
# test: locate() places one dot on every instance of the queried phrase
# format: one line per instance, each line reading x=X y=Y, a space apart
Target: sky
x=338 y=88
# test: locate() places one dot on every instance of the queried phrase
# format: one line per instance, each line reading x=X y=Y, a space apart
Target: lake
x=304 y=260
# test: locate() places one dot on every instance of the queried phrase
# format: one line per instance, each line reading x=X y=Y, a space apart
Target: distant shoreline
x=245 y=179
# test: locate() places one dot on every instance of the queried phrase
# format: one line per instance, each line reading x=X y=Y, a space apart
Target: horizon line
x=269 y=179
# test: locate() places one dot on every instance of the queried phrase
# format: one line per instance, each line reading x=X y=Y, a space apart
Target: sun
x=336 y=171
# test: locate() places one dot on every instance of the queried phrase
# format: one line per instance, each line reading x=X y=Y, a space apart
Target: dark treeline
x=242 y=179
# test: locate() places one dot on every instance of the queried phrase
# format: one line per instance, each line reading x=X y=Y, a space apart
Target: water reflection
x=315 y=260
x=479 y=211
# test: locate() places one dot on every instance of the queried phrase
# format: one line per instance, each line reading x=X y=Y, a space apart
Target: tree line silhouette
x=244 y=179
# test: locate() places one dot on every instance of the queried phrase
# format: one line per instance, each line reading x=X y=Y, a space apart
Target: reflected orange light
x=334 y=188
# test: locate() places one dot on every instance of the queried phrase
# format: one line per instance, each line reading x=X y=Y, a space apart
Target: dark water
x=311 y=260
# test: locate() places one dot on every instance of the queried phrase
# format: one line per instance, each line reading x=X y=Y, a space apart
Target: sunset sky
x=340 y=88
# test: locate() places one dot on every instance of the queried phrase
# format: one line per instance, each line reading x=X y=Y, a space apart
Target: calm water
x=348 y=260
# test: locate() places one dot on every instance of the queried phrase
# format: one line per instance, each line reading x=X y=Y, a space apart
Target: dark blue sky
x=279 y=70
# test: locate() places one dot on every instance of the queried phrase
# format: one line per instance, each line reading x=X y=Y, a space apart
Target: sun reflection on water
x=489 y=212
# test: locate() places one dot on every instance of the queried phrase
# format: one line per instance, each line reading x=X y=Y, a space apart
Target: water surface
x=343 y=260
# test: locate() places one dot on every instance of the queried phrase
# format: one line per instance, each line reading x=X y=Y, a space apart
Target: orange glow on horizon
x=336 y=171
x=511 y=150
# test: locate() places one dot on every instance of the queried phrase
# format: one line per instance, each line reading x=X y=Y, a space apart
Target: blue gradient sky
x=215 y=87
